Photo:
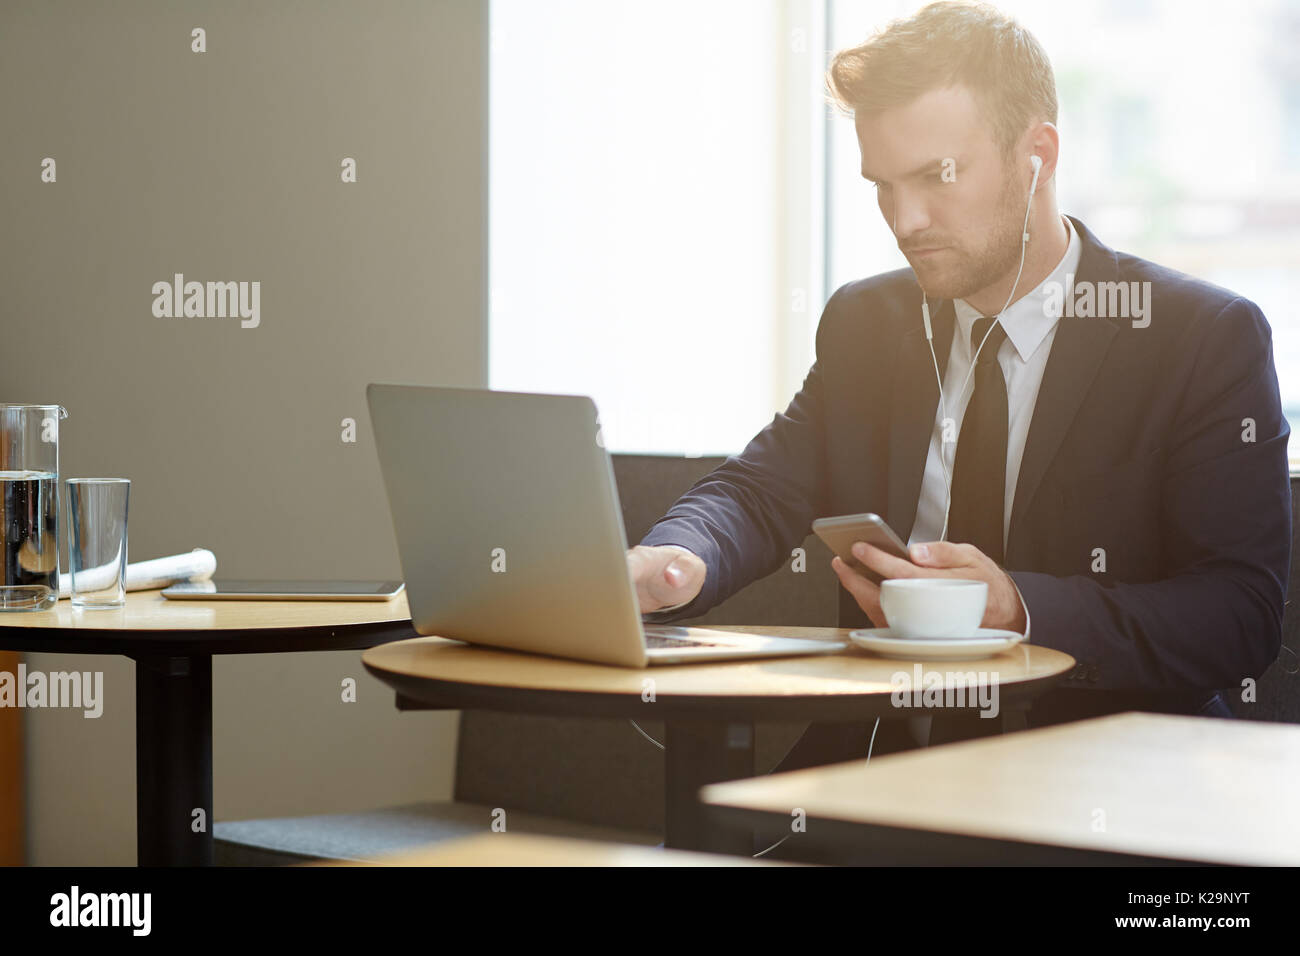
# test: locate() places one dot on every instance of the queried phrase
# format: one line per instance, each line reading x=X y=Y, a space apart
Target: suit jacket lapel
x=1078 y=348
x=915 y=400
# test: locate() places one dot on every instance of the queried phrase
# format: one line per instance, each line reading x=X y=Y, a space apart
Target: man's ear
x=1044 y=141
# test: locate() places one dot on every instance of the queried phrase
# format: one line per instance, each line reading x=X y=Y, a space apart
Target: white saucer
x=985 y=642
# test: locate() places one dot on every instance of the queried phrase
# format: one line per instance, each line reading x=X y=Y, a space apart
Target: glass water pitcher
x=29 y=506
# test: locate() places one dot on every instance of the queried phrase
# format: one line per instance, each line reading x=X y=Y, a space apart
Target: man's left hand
x=935 y=559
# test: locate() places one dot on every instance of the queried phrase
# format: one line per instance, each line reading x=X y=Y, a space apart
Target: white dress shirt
x=1023 y=357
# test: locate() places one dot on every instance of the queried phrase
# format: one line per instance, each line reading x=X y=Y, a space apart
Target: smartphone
x=224 y=589
x=840 y=533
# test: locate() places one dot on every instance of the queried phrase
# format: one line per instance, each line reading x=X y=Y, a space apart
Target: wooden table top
x=1196 y=789
x=517 y=849
x=148 y=620
x=853 y=683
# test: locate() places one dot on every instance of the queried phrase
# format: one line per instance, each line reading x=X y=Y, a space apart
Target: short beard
x=976 y=271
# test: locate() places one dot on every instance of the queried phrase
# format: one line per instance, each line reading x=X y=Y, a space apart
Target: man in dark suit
x=1109 y=452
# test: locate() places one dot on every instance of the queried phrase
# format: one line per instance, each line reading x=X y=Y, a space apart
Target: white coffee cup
x=933 y=607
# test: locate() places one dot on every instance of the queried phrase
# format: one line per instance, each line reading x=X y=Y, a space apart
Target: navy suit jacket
x=1163 y=446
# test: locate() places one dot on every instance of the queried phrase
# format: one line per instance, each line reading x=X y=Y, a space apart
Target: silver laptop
x=510 y=531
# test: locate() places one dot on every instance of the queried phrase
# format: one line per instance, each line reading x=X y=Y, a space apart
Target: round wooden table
x=172 y=643
x=708 y=709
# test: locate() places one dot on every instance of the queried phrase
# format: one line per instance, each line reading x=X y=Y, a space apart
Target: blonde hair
x=946 y=44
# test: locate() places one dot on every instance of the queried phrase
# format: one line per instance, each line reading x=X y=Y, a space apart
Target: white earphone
x=1037 y=163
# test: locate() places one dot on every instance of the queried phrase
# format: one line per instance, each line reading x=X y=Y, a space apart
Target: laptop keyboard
x=659 y=640
x=672 y=635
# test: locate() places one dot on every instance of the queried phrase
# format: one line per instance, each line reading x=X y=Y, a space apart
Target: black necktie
x=979 y=470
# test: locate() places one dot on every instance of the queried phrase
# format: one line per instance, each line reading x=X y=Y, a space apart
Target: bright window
x=670 y=207
x=655 y=225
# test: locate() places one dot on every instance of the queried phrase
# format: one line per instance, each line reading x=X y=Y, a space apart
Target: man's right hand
x=664 y=576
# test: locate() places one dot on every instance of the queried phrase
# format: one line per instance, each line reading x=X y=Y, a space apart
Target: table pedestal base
x=697 y=753
x=173 y=761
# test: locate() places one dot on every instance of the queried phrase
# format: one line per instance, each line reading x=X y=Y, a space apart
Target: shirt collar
x=1026 y=321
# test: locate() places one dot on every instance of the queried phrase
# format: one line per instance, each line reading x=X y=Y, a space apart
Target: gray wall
x=225 y=166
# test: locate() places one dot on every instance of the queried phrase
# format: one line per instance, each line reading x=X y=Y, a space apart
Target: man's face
x=954 y=205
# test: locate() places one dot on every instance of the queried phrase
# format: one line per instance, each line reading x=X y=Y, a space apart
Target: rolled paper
x=198 y=565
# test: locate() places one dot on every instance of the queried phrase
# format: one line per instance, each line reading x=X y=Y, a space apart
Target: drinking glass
x=97 y=541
